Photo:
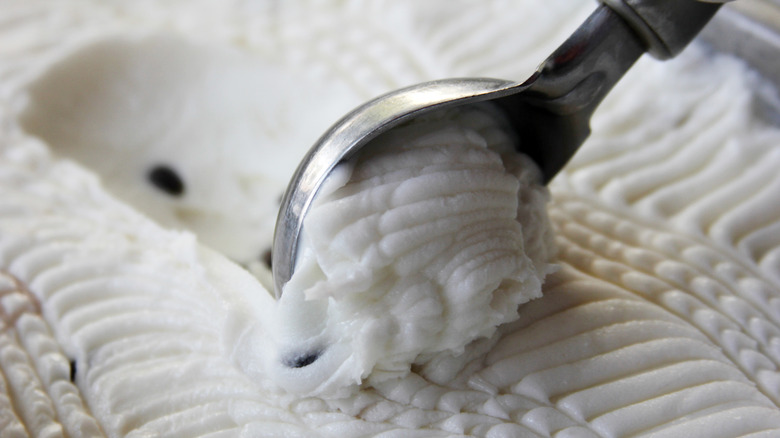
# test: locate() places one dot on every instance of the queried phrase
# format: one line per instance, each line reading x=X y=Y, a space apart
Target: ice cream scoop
x=549 y=112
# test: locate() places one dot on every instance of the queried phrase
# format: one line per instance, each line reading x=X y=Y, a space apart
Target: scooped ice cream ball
x=426 y=241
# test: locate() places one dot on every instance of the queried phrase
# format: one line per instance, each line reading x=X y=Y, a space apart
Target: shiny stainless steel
x=550 y=112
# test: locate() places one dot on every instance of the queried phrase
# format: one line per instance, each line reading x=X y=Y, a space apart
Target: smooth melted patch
x=183 y=131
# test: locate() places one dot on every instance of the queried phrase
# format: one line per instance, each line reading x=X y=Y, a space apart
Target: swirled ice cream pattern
x=662 y=321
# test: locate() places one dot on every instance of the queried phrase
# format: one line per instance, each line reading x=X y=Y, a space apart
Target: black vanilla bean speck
x=167 y=180
x=302 y=360
x=267 y=258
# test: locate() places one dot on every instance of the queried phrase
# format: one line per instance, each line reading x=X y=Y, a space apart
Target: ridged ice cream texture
x=426 y=241
x=662 y=320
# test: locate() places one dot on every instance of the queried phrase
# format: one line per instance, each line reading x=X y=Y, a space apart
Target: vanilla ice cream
x=143 y=149
x=426 y=241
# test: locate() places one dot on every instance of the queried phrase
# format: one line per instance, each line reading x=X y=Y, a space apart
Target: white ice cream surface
x=115 y=320
x=426 y=241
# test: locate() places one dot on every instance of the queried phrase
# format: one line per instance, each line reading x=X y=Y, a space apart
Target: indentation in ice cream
x=197 y=136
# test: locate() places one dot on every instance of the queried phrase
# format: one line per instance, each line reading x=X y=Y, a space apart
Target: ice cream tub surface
x=442 y=290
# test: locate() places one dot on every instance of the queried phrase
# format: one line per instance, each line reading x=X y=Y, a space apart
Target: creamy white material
x=223 y=122
x=426 y=241
x=662 y=321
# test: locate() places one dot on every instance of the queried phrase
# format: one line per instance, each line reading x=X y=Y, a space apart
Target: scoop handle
x=665 y=26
